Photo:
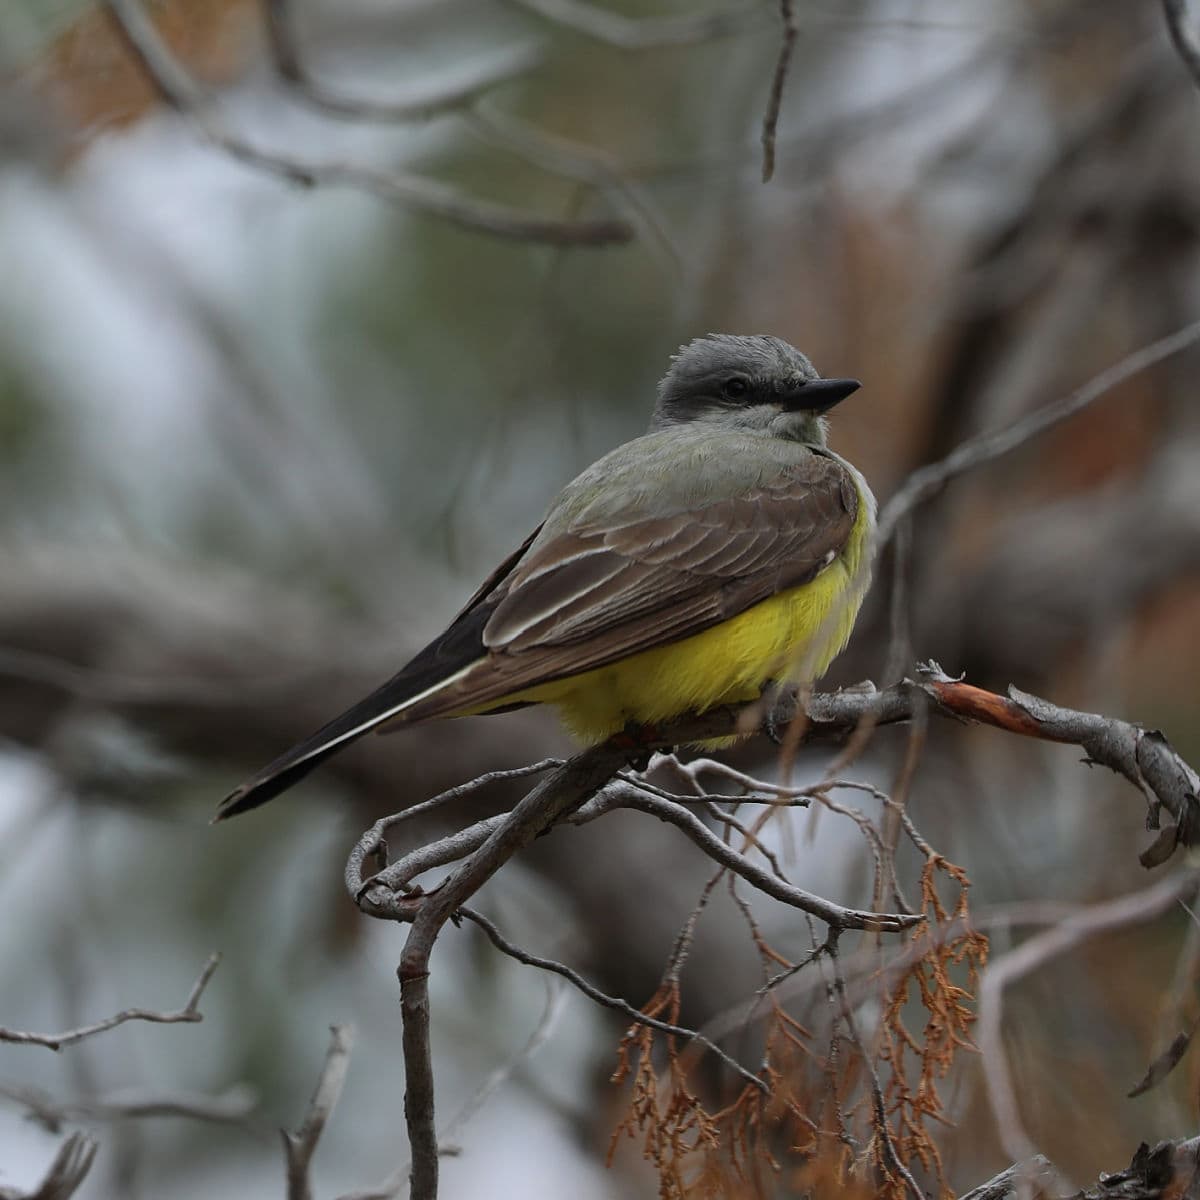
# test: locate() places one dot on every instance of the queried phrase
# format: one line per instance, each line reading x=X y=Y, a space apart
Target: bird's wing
x=596 y=592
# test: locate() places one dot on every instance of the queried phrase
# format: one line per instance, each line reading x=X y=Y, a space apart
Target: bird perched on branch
x=726 y=549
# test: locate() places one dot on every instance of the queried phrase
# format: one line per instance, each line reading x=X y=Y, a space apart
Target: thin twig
x=300 y=1146
x=1183 y=36
x=396 y=1182
x=71 y=1164
x=602 y=998
x=770 y=125
x=375 y=839
x=927 y=481
x=640 y=33
x=589 y=166
x=188 y=1014
x=623 y=795
x=428 y=196
x=1044 y=947
x=231 y=1107
x=480 y=77
x=882 y=1131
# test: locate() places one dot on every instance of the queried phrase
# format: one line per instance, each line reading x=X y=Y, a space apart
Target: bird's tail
x=292 y=766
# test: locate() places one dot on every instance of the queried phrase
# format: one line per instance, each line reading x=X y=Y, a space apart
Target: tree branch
x=770 y=125
x=181 y=92
x=1043 y=947
x=639 y=33
x=68 y=1170
x=300 y=1146
x=291 y=67
x=614 y=1002
x=188 y=1014
x=585 y=787
x=231 y=1107
x=1183 y=36
x=927 y=481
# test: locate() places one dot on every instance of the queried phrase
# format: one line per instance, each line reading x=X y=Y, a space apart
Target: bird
x=726 y=550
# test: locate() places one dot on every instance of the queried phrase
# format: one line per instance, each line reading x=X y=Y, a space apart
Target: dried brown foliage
x=835 y=1115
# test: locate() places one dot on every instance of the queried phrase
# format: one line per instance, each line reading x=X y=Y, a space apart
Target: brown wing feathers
x=594 y=596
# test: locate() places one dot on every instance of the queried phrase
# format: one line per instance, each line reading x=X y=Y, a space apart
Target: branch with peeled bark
x=1142 y=756
x=1169 y=1169
x=587 y=786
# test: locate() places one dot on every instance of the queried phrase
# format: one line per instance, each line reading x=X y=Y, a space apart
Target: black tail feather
x=460 y=645
x=292 y=766
x=273 y=780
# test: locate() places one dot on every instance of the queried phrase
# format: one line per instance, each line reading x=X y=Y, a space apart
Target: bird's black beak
x=818 y=395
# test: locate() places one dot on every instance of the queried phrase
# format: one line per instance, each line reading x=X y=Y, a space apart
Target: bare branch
x=300 y=1146
x=1018 y=1181
x=188 y=1014
x=586 y=165
x=787 y=46
x=639 y=33
x=374 y=842
x=1184 y=37
x=232 y=1106
x=478 y=78
x=68 y=1170
x=594 y=993
x=1144 y=757
x=624 y=795
x=542 y=1032
x=589 y=785
x=181 y=92
x=555 y=797
x=927 y=481
x=1169 y=1169
x=894 y=1163
x=1044 y=947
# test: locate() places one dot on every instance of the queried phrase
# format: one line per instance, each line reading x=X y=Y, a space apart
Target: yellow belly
x=792 y=637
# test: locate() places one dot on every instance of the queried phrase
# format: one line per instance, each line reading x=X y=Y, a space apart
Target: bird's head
x=750 y=383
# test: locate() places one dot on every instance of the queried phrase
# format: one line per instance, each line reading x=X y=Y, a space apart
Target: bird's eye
x=735 y=388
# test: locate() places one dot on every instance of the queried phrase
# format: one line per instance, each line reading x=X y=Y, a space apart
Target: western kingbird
x=726 y=549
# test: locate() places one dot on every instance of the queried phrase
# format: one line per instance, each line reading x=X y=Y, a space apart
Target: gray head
x=752 y=383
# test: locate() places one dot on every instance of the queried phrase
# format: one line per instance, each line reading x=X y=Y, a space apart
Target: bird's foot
x=639 y=741
x=774 y=724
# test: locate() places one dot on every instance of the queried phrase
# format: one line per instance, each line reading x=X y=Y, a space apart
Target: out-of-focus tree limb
x=1045 y=947
x=770 y=125
x=299 y=1147
x=640 y=33
x=459 y=92
x=212 y=664
x=1030 y=1180
x=927 y=481
x=68 y=1170
x=182 y=93
x=234 y=1106
x=1027 y=602
x=1181 y=26
x=1170 y=1169
x=189 y=1013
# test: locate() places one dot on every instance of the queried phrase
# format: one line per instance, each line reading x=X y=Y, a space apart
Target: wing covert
x=688 y=567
